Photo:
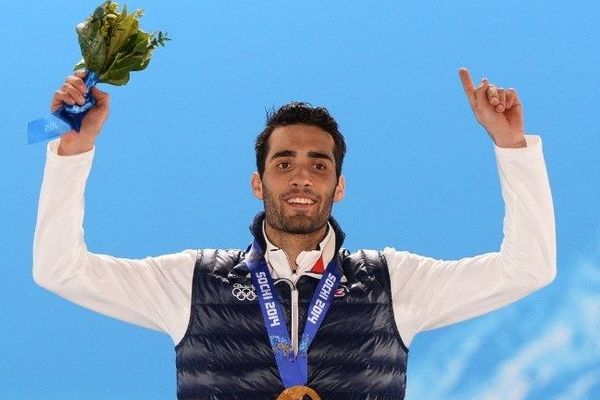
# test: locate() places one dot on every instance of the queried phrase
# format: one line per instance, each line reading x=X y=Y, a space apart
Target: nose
x=301 y=177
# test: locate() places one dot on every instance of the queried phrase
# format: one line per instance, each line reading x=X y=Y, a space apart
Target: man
x=295 y=310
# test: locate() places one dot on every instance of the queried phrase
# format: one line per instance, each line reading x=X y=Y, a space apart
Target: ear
x=340 y=189
x=257 y=186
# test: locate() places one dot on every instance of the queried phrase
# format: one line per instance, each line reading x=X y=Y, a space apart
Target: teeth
x=300 y=200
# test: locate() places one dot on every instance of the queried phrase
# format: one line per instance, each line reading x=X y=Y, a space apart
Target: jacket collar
x=257 y=232
x=256 y=228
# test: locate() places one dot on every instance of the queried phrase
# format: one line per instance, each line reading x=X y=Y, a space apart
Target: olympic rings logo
x=243 y=292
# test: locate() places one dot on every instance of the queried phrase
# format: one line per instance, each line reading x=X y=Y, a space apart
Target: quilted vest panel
x=226 y=355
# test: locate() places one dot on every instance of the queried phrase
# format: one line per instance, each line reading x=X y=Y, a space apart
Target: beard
x=296 y=223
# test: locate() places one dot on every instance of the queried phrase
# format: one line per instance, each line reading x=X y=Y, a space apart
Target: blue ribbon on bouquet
x=66 y=118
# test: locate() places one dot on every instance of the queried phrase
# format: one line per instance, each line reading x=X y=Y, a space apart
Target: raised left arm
x=428 y=293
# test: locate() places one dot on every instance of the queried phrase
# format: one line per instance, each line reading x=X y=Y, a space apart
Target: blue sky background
x=173 y=164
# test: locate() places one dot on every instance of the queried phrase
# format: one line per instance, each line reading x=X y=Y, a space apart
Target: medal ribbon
x=293 y=369
x=66 y=118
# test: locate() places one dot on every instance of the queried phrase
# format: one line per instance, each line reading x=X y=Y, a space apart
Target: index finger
x=77 y=82
x=467 y=84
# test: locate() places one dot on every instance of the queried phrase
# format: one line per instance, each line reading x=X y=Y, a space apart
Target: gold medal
x=298 y=393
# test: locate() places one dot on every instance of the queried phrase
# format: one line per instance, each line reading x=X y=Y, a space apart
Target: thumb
x=102 y=98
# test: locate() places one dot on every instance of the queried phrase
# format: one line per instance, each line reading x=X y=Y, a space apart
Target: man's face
x=299 y=184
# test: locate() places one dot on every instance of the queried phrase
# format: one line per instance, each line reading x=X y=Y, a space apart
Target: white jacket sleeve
x=429 y=293
x=153 y=292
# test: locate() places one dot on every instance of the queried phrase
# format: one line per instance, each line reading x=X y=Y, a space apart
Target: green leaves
x=113 y=45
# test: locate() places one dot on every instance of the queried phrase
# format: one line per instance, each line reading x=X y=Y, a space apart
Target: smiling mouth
x=300 y=201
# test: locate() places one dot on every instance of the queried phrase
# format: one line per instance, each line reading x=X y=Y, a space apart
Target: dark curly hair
x=303 y=114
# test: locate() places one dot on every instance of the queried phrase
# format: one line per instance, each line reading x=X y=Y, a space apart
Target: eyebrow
x=284 y=153
x=318 y=154
x=311 y=154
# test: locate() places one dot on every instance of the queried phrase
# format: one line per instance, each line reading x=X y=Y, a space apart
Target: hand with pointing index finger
x=498 y=110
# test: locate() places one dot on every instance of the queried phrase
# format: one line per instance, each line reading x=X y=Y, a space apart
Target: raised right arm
x=153 y=292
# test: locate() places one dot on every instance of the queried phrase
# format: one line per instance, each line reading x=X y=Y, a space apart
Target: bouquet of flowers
x=112 y=43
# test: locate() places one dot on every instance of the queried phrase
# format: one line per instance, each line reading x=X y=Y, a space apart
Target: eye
x=320 y=167
x=283 y=165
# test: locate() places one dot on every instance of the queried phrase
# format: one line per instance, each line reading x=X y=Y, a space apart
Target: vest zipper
x=295 y=319
x=294 y=314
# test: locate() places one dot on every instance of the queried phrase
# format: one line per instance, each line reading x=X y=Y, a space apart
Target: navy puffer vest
x=226 y=355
